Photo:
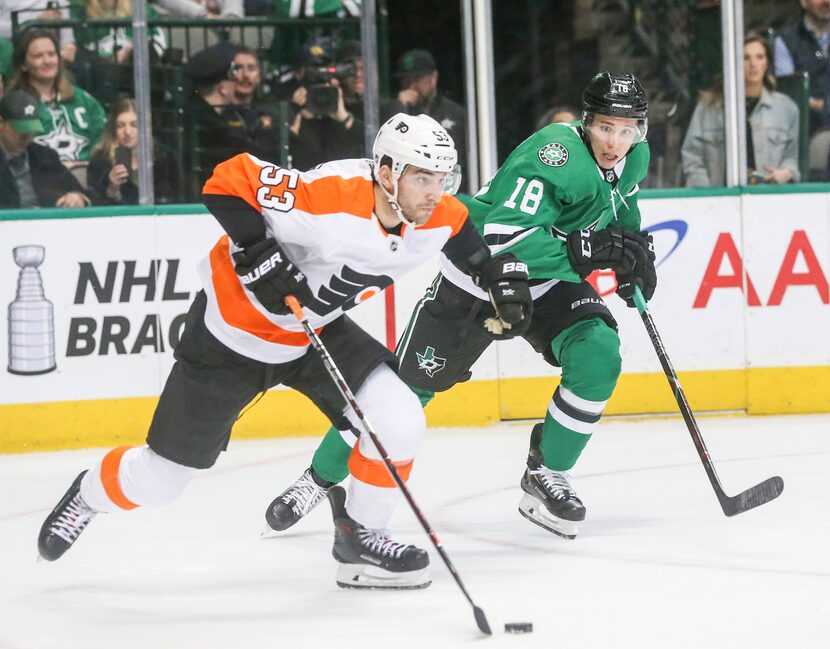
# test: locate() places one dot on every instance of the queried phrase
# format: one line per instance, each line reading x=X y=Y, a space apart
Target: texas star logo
x=553 y=154
x=429 y=362
x=64 y=141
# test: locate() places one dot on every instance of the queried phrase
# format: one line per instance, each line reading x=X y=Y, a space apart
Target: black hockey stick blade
x=755 y=496
x=481 y=620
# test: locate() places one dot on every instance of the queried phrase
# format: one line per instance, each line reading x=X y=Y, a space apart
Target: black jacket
x=219 y=136
x=809 y=57
x=166 y=181
x=50 y=179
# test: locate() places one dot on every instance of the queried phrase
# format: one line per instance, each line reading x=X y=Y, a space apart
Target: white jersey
x=324 y=220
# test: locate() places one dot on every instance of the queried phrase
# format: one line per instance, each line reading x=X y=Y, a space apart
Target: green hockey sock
x=331 y=459
x=561 y=447
x=589 y=354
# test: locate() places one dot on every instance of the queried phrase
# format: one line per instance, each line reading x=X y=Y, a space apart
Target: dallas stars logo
x=62 y=138
x=553 y=154
x=429 y=362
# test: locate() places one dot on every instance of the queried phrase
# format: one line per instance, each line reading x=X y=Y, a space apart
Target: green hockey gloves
x=506 y=281
x=644 y=275
x=612 y=247
x=270 y=275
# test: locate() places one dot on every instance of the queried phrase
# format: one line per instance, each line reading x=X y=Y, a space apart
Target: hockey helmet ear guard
x=616 y=95
x=453 y=181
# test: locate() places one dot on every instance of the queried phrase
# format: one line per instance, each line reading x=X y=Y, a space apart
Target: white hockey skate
x=368 y=558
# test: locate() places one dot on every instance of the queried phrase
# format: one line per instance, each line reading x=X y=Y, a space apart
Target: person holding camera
x=329 y=123
x=113 y=167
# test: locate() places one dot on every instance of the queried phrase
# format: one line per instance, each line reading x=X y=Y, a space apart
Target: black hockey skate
x=549 y=500
x=295 y=502
x=66 y=522
x=369 y=558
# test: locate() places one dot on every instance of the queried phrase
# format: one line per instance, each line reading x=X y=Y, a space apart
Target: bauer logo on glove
x=272 y=262
x=505 y=279
x=265 y=270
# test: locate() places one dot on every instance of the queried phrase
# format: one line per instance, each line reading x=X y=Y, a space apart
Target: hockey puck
x=518 y=627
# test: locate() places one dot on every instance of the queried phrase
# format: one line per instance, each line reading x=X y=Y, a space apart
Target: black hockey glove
x=269 y=274
x=644 y=275
x=614 y=248
x=505 y=280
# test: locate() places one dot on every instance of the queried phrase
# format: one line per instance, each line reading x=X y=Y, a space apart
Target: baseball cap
x=20 y=110
x=415 y=63
x=315 y=51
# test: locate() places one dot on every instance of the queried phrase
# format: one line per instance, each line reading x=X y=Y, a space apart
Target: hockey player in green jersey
x=565 y=204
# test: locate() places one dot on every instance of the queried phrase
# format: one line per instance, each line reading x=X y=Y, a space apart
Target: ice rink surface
x=656 y=564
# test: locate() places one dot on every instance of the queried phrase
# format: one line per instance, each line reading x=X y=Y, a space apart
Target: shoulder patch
x=553 y=154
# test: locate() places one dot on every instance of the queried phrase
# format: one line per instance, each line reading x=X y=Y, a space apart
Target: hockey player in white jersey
x=332 y=237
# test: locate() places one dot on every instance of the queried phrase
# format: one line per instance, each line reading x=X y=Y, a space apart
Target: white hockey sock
x=371 y=506
x=135 y=477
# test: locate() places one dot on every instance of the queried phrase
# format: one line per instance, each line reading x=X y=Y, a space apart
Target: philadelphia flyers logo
x=346 y=290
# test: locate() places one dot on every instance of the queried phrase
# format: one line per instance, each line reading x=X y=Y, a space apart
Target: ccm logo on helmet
x=262 y=269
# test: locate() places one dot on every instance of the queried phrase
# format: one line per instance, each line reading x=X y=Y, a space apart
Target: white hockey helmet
x=416 y=140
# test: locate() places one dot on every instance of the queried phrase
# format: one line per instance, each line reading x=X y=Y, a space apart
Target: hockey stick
x=348 y=395
x=754 y=496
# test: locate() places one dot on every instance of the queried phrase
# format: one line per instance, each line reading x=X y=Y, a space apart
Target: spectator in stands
x=202 y=8
x=294 y=9
x=27 y=10
x=31 y=175
x=113 y=169
x=6 y=54
x=259 y=113
x=417 y=76
x=771 y=133
x=556 y=115
x=113 y=42
x=73 y=120
x=803 y=46
x=220 y=129
x=314 y=52
x=334 y=129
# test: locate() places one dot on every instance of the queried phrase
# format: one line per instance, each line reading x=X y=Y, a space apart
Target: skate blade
x=352 y=575
x=267 y=532
x=536 y=513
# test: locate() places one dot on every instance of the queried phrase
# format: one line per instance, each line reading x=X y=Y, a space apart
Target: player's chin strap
x=393 y=200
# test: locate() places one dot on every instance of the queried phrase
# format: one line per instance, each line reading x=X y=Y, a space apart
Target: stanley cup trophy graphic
x=31 y=321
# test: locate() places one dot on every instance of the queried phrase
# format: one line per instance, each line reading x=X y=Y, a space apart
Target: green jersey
x=72 y=128
x=549 y=186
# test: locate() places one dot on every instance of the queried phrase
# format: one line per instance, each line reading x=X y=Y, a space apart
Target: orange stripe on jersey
x=238 y=176
x=450 y=212
x=236 y=307
x=333 y=194
x=109 y=477
x=374 y=472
